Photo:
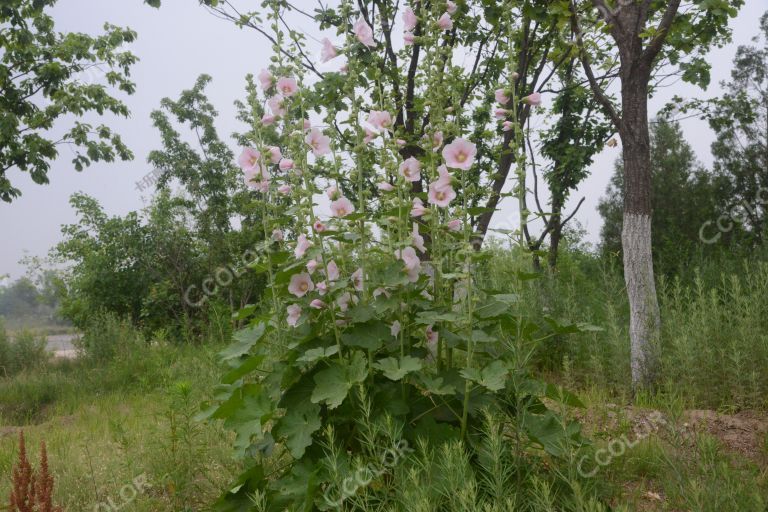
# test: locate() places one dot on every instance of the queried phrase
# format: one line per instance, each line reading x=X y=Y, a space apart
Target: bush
x=25 y=352
x=106 y=335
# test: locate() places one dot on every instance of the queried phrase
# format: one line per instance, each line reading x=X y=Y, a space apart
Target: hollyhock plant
x=418 y=208
x=342 y=207
x=533 y=99
x=329 y=51
x=409 y=19
x=357 y=279
x=417 y=240
x=445 y=22
x=294 y=313
x=301 y=284
x=276 y=105
x=385 y=187
x=286 y=164
x=266 y=80
x=249 y=159
x=441 y=194
x=302 y=244
x=364 y=32
x=318 y=226
x=332 y=272
x=411 y=169
x=380 y=120
x=409 y=38
x=454 y=225
x=319 y=142
x=275 y=154
x=501 y=97
x=460 y=154
x=287 y=86
x=317 y=304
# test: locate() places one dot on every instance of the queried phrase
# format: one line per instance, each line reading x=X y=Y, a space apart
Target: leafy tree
x=42 y=89
x=685 y=196
x=647 y=35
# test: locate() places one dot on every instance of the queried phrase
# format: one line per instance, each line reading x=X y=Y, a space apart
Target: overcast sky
x=179 y=42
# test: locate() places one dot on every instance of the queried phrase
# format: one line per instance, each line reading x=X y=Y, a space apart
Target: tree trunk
x=645 y=322
x=557 y=230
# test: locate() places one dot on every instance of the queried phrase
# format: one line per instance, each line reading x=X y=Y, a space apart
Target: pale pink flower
x=533 y=99
x=318 y=226
x=332 y=192
x=401 y=142
x=418 y=208
x=385 y=187
x=441 y=195
x=317 y=304
x=507 y=126
x=302 y=244
x=284 y=189
x=380 y=291
x=294 y=313
x=307 y=125
x=444 y=179
x=312 y=266
x=413 y=274
x=501 y=113
x=451 y=7
x=344 y=300
x=268 y=120
x=501 y=97
x=369 y=135
x=322 y=287
x=364 y=32
x=454 y=225
x=409 y=257
x=445 y=22
x=394 y=330
x=300 y=284
x=432 y=335
x=287 y=86
x=257 y=178
x=416 y=239
x=342 y=207
x=460 y=154
x=332 y=271
x=286 y=164
x=319 y=142
x=329 y=51
x=357 y=279
x=437 y=141
x=409 y=19
x=409 y=38
x=249 y=159
x=275 y=154
x=265 y=79
x=277 y=235
x=411 y=169
x=276 y=106
x=380 y=120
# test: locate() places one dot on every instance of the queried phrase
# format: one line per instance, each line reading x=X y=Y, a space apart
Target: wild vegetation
x=335 y=317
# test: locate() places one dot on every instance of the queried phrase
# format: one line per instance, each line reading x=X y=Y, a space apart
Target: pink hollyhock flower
x=369 y=135
x=317 y=304
x=332 y=192
x=364 y=32
x=302 y=244
x=533 y=99
x=501 y=113
x=265 y=79
x=380 y=119
x=268 y=120
x=319 y=142
x=343 y=301
x=451 y=7
x=257 y=178
x=294 y=313
x=342 y=207
x=322 y=287
x=501 y=97
x=276 y=106
x=444 y=179
x=417 y=240
x=249 y=159
x=385 y=187
x=380 y=291
x=409 y=38
x=275 y=154
x=432 y=335
x=437 y=141
x=413 y=274
x=312 y=266
x=307 y=125
x=409 y=19
x=332 y=271
x=441 y=195
x=394 y=330
x=286 y=164
x=300 y=284
x=454 y=225
x=329 y=51
x=401 y=142
x=460 y=154
x=319 y=226
x=418 y=208
x=411 y=169
x=357 y=279
x=284 y=189
x=507 y=126
x=277 y=235
x=445 y=22
x=287 y=86
x=409 y=257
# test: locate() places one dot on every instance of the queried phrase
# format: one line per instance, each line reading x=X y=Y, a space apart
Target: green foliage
x=107 y=336
x=40 y=76
x=22 y=352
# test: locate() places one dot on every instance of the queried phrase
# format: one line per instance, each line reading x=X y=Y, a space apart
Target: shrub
x=107 y=335
x=25 y=351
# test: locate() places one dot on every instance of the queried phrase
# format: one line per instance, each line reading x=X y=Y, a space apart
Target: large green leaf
x=244 y=340
x=369 y=335
x=333 y=383
x=395 y=369
x=492 y=377
x=297 y=427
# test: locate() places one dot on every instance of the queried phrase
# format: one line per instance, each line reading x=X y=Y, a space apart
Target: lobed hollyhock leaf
x=297 y=427
x=315 y=354
x=493 y=377
x=245 y=339
x=333 y=383
x=397 y=369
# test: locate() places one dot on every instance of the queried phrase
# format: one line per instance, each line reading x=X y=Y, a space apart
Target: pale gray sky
x=179 y=42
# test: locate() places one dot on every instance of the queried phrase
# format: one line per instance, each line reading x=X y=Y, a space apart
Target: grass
x=105 y=427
